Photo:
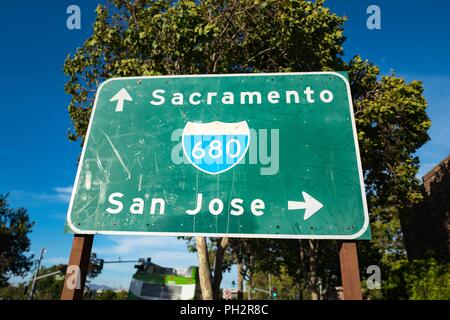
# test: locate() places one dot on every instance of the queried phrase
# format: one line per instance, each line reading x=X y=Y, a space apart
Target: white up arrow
x=120 y=97
x=311 y=205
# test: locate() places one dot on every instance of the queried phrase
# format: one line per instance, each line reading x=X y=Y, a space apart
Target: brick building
x=426 y=226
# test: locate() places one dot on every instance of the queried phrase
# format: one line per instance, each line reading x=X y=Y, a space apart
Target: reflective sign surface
x=254 y=155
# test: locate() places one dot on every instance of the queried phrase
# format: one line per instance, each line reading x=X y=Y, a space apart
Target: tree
x=111 y=295
x=49 y=288
x=14 y=292
x=254 y=257
x=288 y=288
x=392 y=124
x=95 y=266
x=241 y=36
x=311 y=264
x=424 y=279
x=214 y=259
x=15 y=225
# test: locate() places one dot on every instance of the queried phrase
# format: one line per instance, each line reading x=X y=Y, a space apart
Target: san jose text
x=152 y=206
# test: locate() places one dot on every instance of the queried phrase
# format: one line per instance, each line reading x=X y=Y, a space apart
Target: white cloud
x=27 y=198
x=55 y=260
x=64 y=190
x=127 y=245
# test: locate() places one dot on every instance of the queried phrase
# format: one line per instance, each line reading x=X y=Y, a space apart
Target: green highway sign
x=243 y=155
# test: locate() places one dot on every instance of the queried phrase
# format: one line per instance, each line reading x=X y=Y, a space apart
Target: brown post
x=351 y=283
x=77 y=268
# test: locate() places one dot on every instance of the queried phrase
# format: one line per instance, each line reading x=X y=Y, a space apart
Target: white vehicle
x=153 y=282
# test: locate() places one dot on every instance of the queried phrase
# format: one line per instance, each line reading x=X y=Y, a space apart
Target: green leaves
x=15 y=225
x=392 y=124
x=424 y=279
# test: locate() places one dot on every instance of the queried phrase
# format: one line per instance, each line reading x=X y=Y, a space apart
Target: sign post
x=243 y=155
x=77 y=268
x=348 y=257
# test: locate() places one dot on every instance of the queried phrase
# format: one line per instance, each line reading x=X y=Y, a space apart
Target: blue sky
x=38 y=163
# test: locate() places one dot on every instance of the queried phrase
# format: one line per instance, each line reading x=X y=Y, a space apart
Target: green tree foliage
x=241 y=36
x=288 y=288
x=49 y=288
x=425 y=279
x=392 y=124
x=111 y=295
x=15 y=226
x=14 y=292
x=312 y=265
x=95 y=266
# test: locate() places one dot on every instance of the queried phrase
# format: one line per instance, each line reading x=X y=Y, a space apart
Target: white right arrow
x=310 y=204
x=120 y=97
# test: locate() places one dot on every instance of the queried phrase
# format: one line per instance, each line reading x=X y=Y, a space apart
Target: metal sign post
x=348 y=258
x=77 y=268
